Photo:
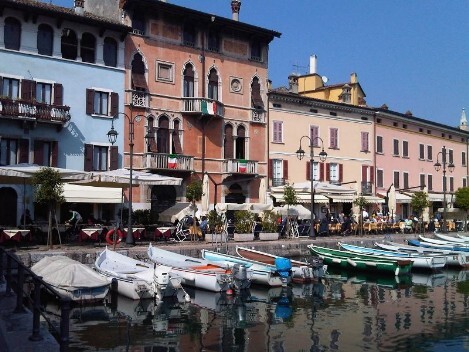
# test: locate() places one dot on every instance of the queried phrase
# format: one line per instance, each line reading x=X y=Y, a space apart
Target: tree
x=48 y=190
x=194 y=193
x=418 y=203
x=360 y=202
x=462 y=201
x=290 y=198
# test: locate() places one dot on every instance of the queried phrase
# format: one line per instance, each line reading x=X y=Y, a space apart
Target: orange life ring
x=110 y=234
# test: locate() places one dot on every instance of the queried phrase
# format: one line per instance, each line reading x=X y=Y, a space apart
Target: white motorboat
x=457 y=240
x=264 y=274
x=136 y=279
x=197 y=273
x=71 y=278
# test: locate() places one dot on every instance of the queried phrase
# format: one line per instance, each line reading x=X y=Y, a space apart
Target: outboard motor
x=239 y=272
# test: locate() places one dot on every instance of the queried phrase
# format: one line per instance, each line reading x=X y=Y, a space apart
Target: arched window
x=188 y=81
x=45 y=39
x=162 y=135
x=176 y=143
x=256 y=99
x=241 y=143
x=88 y=48
x=138 y=73
x=110 y=52
x=151 y=145
x=213 y=84
x=12 y=33
x=138 y=23
x=228 y=142
x=69 y=44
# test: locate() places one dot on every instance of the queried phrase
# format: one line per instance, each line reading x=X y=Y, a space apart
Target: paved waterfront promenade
x=15 y=328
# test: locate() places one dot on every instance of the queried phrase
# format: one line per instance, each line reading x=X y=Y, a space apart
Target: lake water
x=424 y=312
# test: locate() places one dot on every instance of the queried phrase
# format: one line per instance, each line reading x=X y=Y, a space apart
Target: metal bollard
x=65 y=324
x=36 y=336
x=19 y=290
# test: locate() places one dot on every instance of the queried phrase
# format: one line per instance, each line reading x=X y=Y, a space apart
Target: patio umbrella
x=392 y=201
x=23 y=174
x=295 y=210
x=262 y=190
x=426 y=211
x=205 y=195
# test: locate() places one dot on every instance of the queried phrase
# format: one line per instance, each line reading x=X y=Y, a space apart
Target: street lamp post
x=112 y=136
x=438 y=167
x=300 y=153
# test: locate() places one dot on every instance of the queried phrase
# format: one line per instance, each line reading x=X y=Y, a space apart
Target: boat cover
x=283 y=266
x=64 y=272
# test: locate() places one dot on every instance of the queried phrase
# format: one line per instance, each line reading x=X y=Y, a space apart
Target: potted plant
x=216 y=228
x=269 y=226
x=244 y=220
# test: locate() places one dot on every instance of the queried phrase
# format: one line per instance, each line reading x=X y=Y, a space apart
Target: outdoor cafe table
x=14 y=234
x=90 y=233
x=137 y=232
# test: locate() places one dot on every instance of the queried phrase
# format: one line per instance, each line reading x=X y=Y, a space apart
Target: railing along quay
x=21 y=282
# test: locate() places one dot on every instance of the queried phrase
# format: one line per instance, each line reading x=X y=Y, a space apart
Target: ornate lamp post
x=112 y=136
x=300 y=153
x=438 y=166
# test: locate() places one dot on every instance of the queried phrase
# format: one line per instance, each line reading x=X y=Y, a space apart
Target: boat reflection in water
x=341 y=312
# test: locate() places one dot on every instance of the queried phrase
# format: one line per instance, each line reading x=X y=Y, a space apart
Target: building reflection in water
x=344 y=312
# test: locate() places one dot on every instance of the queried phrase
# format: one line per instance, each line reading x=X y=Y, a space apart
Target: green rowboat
x=355 y=261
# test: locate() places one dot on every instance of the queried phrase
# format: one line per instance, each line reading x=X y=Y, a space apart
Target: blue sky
x=408 y=54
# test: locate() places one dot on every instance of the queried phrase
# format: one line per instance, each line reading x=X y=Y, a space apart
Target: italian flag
x=172 y=162
x=242 y=166
x=208 y=107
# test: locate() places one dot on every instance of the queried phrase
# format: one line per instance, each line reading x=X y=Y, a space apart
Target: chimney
x=235 y=6
x=293 y=83
x=353 y=78
x=463 y=121
x=313 y=64
x=79 y=7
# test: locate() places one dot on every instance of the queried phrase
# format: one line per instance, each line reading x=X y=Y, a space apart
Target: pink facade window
x=405 y=149
x=379 y=144
x=314 y=134
x=365 y=142
x=395 y=151
x=277 y=131
x=333 y=138
x=396 y=179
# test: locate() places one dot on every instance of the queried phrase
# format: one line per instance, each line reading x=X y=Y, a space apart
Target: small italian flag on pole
x=242 y=166
x=172 y=162
x=209 y=107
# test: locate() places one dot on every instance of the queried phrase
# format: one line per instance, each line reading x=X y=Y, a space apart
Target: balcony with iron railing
x=163 y=161
x=278 y=182
x=239 y=166
x=258 y=116
x=367 y=188
x=34 y=110
x=202 y=106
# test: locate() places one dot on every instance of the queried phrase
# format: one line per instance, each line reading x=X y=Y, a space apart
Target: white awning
x=87 y=194
x=374 y=200
x=302 y=198
x=400 y=198
x=342 y=198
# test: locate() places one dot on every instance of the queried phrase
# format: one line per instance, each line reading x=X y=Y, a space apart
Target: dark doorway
x=8 y=206
x=235 y=194
x=162 y=198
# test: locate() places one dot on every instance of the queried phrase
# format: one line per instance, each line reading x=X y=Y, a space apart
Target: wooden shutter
x=24 y=151
x=308 y=170
x=364 y=141
x=38 y=153
x=89 y=101
x=372 y=174
x=58 y=94
x=176 y=139
x=88 y=158
x=285 y=169
x=328 y=171
x=28 y=90
x=229 y=142
x=55 y=154
x=270 y=166
x=314 y=134
x=114 y=159
x=364 y=173
x=114 y=103
x=321 y=171
x=341 y=172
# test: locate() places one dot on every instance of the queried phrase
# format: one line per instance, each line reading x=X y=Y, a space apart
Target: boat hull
x=354 y=261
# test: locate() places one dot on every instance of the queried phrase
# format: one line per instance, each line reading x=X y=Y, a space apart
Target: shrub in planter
x=215 y=221
x=244 y=220
x=269 y=221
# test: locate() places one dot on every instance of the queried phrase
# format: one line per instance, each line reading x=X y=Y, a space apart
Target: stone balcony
x=161 y=161
x=202 y=106
x=28 y=110
x=238 y=166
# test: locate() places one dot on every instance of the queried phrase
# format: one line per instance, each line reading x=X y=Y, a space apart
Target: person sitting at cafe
x=26 y=218
x=75 y=219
